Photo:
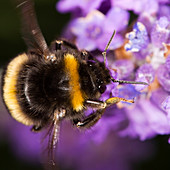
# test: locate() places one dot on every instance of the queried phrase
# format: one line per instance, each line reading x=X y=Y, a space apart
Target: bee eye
x=102 y=88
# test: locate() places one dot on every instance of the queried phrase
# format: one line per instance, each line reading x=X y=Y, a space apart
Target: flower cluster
x=141 y=53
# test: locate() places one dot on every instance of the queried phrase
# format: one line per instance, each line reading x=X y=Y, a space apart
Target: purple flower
x=145 y=73
x=88 y=30
x=128 y=92
x=150 y=119
x=158 y=97
x=138 y=6
x=147 y=117
x=167 y=64
x=156 y=56
x=160 y=32
x=112 y=22
x=164 y=11
x=124 y=68
x=146 y=121
x=92 y=31
x=147 y=20
x=84 y=5
x=166 y=106
x=139 y=42
x=163 y=1
x=164 y=77
x=138 y=38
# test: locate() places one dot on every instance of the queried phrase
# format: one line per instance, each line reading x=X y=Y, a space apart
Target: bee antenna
x=128 y=82
x=107 y=46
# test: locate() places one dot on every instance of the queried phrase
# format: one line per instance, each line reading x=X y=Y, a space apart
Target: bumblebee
x=48 y=84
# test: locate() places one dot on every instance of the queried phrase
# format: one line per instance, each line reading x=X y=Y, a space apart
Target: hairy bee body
x=33 y=88
x=48 y=84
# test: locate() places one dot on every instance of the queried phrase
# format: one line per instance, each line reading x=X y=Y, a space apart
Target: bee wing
x=31 y=32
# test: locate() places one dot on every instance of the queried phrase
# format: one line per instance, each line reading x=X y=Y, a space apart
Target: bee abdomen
x=10 y=89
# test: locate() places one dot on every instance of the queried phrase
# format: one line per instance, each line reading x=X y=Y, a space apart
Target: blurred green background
x=11 y=43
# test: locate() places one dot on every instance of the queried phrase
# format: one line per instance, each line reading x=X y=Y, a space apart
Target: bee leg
x=114 y=100
x=106 y=103
x=36 y=128
x=92 y=119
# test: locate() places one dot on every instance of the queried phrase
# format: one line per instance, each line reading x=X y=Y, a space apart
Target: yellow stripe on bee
x=71 y=66
x=10 y=91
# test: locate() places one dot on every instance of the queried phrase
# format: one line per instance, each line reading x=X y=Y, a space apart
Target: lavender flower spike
x=160 y=32
x=145 y=73
x=138 y=38
x=164 y=77
x=88 y=30
x=71 y=5
x=166 y=106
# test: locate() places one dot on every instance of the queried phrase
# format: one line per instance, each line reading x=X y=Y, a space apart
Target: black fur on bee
x=43 y=86
x=46 y=85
